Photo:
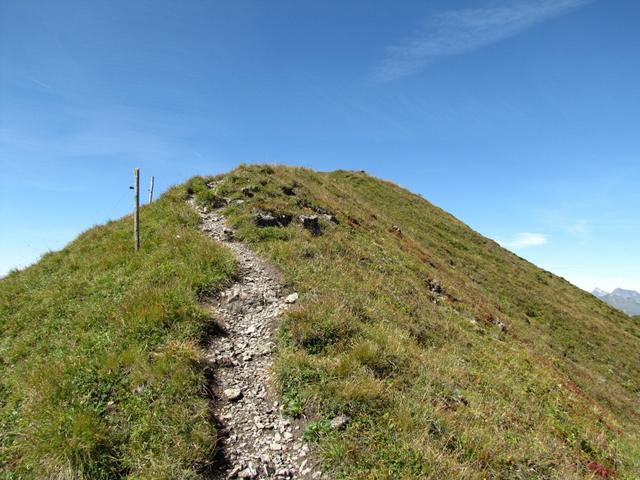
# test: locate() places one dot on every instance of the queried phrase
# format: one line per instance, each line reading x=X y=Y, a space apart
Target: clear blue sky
x=522 y=118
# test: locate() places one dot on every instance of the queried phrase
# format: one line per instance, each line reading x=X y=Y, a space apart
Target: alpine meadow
x=447 y=355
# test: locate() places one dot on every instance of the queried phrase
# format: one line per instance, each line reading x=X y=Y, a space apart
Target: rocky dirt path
x=257 y=441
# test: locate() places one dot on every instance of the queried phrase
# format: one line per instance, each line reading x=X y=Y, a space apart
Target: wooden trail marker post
x=151 y=190
x=136 y=211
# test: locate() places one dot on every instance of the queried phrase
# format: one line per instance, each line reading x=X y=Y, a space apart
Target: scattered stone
x=233 y=394
x=267 y=469
x=232 y=294
x=269 y=296
x=233 y=472
x=248 y=473
x=263 y=219
x=489 y=318
x=331 y=218
x=256 y=440
x=501 y=324
x=435 y=286
x=293 y=298
x=340 y=422
x=311 y=223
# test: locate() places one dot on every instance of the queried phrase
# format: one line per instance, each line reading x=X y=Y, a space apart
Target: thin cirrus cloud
x=456 y=32
x=525 y=240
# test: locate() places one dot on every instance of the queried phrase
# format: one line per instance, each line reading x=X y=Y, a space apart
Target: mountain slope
x=98 y=352
x=452 y=357
x=626 y=300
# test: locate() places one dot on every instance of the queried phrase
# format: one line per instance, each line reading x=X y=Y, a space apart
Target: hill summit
x=413 y=348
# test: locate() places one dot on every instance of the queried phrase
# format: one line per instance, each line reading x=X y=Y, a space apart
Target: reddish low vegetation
x=600 y=470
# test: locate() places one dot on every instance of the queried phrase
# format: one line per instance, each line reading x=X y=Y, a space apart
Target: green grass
x=454 y=357
x=99 y=351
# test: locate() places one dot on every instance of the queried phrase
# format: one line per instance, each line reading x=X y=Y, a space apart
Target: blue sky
x=522 y=118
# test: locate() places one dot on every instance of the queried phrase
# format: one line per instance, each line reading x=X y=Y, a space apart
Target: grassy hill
x=99 y=351
x=453 y=357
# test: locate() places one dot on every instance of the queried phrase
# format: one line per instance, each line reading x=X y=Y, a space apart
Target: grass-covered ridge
x=99 y=374
x=454 y=357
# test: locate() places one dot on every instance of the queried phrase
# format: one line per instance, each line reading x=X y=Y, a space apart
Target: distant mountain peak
x=621 y=292
x=626 y=300
x=598 y=292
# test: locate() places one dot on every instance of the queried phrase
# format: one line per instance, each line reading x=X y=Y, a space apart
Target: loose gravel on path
x=257 y=441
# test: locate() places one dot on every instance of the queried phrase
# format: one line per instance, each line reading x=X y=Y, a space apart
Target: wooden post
x=136 y=211
x=151 y=190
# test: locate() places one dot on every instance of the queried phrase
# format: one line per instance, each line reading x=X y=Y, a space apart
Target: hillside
x=99 y=352
x=452 y=357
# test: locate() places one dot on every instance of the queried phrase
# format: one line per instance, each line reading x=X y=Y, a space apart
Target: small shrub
x=316 y=430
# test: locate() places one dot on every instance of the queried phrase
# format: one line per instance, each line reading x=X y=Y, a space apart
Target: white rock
x=269 y=296
x=291 y=298
x=339 y=422
x=233 y=394
x=248 y=473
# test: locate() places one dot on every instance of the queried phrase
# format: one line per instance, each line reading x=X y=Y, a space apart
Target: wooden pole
x=151 y=190
x=136 y=211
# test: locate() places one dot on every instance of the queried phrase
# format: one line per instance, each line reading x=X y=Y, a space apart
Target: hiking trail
x=256 y=440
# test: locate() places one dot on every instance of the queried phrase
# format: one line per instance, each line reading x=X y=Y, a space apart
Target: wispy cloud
x=525 y=240
x=41 y=83
x=456 y=32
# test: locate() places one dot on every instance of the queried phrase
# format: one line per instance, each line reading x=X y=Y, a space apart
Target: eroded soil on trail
x=257 y=441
